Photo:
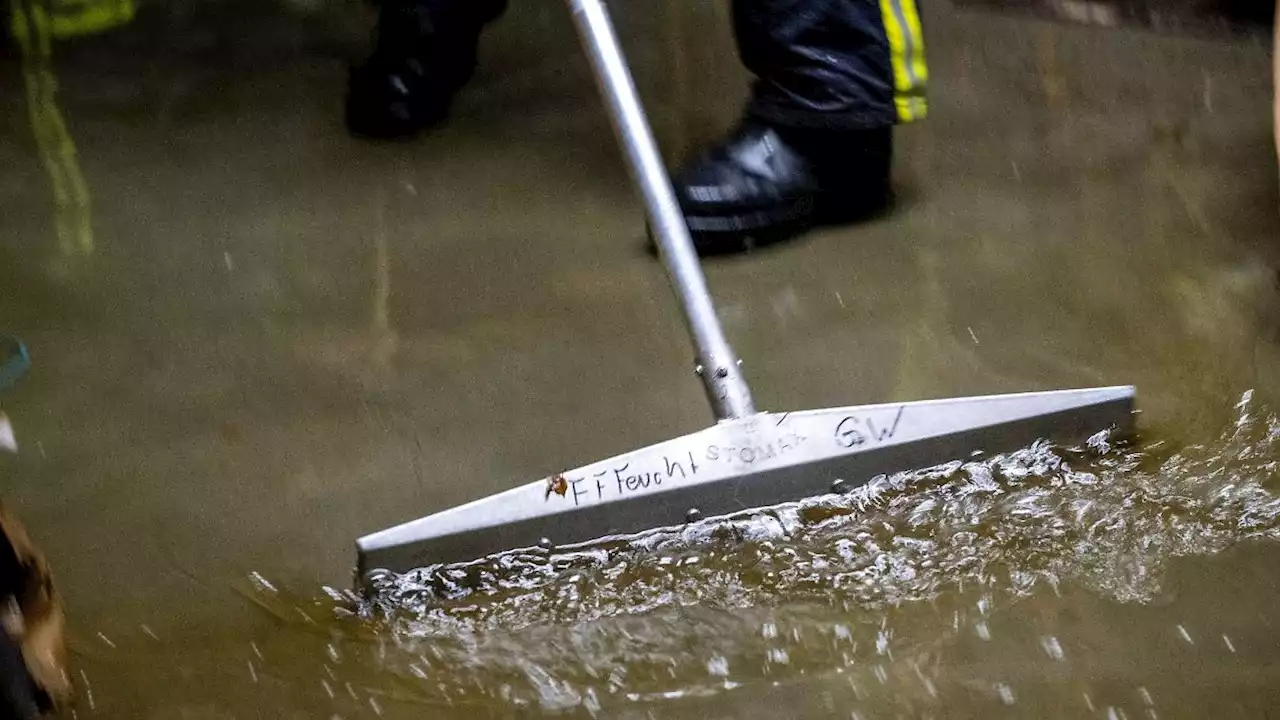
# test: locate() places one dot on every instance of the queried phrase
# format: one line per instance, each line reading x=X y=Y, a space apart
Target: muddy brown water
x=255 y=339
x=1113 y=580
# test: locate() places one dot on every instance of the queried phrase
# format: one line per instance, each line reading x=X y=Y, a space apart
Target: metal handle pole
x=718 y=367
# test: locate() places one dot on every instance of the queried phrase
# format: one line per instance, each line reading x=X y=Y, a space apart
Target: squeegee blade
x=737 y=465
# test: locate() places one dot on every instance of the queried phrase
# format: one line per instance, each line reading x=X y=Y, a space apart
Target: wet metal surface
x=744 y=464
x=274 y=338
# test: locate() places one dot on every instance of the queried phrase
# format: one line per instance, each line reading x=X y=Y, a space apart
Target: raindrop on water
x=1052 y=647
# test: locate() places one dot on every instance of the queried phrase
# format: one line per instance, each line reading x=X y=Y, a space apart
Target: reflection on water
x=1040 y=583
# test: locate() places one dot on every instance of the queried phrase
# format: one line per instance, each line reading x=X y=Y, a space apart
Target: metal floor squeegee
x=748 y=459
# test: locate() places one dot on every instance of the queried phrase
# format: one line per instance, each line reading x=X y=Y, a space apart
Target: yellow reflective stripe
x=911 y=108
x=90 y=17
x=34 y=85
x=893 y=31
x=906 y=56
x=72 y=201
x=31 y=29
x=918 y=67
x=18 y=25
x=903 y=106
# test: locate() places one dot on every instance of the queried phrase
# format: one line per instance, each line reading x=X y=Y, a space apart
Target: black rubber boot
x=425 y=52
x=764 y=184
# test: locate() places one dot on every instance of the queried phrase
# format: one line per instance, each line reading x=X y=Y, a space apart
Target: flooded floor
x=254 y=339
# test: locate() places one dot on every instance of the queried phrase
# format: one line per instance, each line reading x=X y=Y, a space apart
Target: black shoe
x=764 y=184
x=421 y=60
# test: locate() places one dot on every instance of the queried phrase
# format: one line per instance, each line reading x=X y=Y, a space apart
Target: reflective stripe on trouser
x=834 y=64
x=906 y=54
x=33 y=23
x=72 y=18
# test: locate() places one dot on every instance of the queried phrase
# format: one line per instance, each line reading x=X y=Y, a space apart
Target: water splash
x=870 y=582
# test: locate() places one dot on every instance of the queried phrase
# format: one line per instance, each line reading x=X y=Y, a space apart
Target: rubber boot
x=425 y=51
x=765 y=183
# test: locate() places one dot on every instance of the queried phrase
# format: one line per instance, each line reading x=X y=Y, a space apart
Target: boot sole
x=719 y=234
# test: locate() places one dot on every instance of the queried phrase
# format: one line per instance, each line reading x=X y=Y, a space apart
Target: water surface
x=1107 y=580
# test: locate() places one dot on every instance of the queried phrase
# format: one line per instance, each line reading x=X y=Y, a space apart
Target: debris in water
x=557 y=485
x=1227 y=641
x=14 y=361
x=8 y=441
